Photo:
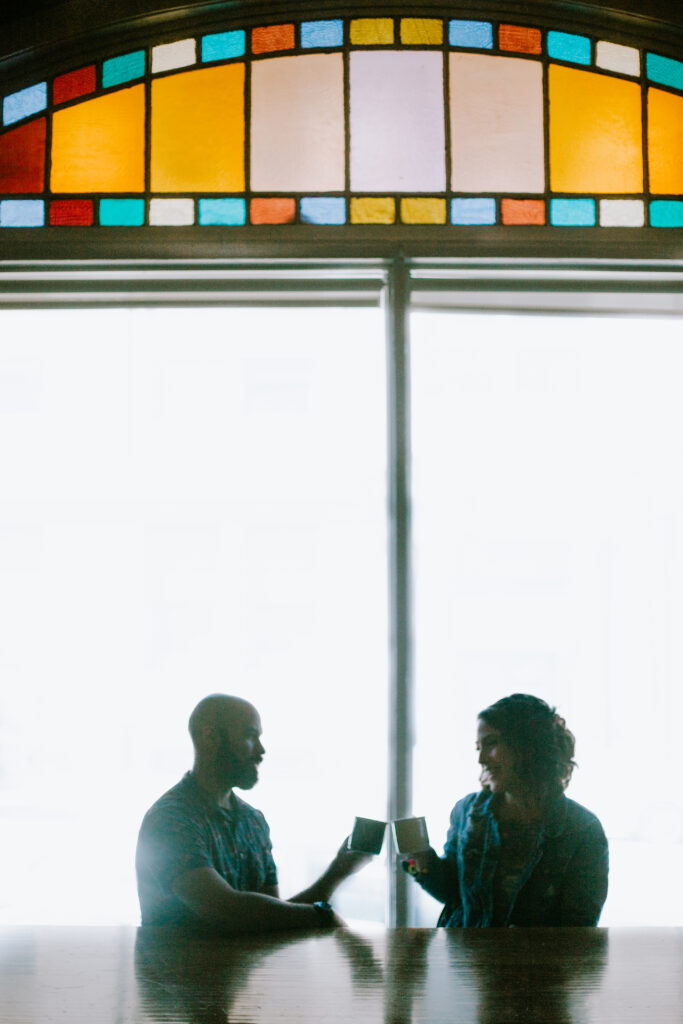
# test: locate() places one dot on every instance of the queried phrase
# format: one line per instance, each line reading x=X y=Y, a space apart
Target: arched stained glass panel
x=448 y=121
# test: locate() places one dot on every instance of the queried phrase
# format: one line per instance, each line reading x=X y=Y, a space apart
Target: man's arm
x=346 y=862
x=215 y=902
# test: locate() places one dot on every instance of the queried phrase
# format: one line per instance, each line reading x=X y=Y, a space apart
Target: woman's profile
x=519 y=852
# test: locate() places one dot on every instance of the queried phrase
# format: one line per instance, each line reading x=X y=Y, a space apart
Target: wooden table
x=142 y=976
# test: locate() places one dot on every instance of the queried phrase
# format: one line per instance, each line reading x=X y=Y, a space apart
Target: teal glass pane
x=223 y=45
x=322 y=33
x=664 y=70
x=666 y=213
x=231 y=212
x=473 y=211
x=123 y=69
x=122 y=212
x=323 y=210
x=572 y=212
x=24 y=103
x=476 y=34
x=22 y=213
x=565 y=46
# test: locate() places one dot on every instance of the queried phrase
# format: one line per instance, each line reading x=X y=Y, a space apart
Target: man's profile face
x=240 y=750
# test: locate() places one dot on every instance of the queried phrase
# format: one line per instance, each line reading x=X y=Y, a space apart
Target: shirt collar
x=201 y=796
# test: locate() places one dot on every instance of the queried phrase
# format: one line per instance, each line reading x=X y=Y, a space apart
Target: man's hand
x=346 y=862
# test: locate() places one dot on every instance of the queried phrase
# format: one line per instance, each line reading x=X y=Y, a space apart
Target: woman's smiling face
x=496 y=759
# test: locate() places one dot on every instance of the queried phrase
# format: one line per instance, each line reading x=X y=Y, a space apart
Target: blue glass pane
x=123 y=69
x=473 y=211
x=564 y=46
x=122 y=212
x=323 y=210
x=666 y=213
x=24 y=103
x=22 y=213
x=223 y=45
x=664 y=70
x=572 y=212
x=222 y=211
x=477 y=34
x=322 y=33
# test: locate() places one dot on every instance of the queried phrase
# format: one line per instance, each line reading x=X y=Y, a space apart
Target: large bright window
x=193 y=500
x=548 y=538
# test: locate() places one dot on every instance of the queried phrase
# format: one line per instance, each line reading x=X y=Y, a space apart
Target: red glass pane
x=22 y=158
x=519 y=39
x=72 y=212
x=271 y=38
x=75 y=83
x=523 y=211
x=272 y=211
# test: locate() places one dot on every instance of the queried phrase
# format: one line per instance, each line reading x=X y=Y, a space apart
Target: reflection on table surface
x=501 y=976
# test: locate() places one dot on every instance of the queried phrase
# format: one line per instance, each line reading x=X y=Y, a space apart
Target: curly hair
x=542 y=745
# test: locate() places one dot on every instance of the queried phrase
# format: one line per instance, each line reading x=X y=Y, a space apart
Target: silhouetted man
x=204 y=855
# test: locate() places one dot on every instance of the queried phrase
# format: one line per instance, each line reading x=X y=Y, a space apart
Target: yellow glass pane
x=369 y=31
x=421 y=31
x=417 y=210
x=373 y=210
x=99 y=145
x=595 y=132
x=665 y=141
x=198 y=131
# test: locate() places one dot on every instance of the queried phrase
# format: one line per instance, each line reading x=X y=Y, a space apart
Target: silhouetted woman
x=519 y=852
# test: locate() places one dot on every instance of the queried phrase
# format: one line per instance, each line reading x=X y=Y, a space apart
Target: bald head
x=226 y=734
x=219 y=711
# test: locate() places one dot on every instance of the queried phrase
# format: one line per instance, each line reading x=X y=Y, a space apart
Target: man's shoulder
x=181 y=800
x=247 y=811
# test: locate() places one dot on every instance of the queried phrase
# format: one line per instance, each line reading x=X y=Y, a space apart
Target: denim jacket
x=564 y=882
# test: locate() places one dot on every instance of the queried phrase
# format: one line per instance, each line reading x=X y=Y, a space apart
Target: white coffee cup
x=410 y=835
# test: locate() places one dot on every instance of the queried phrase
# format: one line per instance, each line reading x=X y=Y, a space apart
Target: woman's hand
x=420 y=863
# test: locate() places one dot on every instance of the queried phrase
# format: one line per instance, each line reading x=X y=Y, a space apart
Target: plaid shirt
x=185 y=830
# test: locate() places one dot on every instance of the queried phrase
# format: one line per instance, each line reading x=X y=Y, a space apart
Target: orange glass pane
x=272 y=211
x=519 y=39
x=271 y=38
x=595 y=132
x=665 y=141
x=522 y=211
x=99 y=145
x=198 y=131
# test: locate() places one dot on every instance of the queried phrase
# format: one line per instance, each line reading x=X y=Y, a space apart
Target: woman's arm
x=585 y=888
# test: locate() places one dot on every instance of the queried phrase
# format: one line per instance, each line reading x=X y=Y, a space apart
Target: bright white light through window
x=548 y=521
x=192 y=501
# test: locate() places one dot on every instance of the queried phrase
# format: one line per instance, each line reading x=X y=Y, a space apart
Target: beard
x=234 y=770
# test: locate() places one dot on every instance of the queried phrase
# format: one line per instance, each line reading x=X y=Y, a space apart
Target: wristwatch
x=324 y=913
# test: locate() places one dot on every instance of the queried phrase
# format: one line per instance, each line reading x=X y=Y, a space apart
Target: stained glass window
x=350 y=120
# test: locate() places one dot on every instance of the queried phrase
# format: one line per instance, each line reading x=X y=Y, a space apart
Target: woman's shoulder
x=473 y=802
x=573 y=816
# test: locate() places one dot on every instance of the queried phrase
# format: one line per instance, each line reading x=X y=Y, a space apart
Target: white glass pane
x=193 y=501
x=396 y=122
x=297 y=123
x=549 y=560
